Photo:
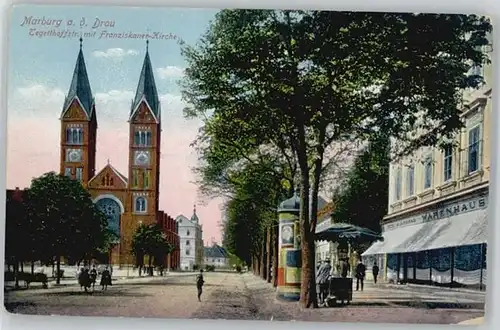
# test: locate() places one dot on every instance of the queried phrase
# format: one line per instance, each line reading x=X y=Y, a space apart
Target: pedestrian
x=375 y=271
x=344 y=268
x=105 y=278
x=360 y=275
x=322 y=279
x=199 y=284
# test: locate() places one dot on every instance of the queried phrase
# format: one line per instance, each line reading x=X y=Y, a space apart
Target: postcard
x=248 y=164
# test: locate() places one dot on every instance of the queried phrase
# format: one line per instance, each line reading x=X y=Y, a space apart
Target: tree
x=310 y=81
x=362 y=197
x=66 y=221
x=150 y=241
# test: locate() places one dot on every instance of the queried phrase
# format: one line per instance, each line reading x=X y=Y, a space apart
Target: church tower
x=144 y=146
x=78 y=126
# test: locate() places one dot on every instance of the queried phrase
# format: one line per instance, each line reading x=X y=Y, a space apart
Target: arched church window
x=103 y=181
x=110 y=181
x=143 y=138
x=74 y=135
x=140 y=204
x=188 y=232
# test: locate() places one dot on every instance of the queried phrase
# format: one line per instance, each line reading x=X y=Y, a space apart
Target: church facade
x=127 y=200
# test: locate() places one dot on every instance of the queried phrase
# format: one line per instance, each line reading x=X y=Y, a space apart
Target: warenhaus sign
x=445 y=211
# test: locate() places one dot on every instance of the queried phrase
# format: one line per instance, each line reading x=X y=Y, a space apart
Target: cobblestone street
x=233 y=296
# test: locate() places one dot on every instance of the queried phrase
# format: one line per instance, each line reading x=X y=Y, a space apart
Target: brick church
x=127 y=200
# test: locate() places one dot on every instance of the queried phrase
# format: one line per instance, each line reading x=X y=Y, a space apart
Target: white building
x=216 y=256
x=190 y=241
x=436 y=228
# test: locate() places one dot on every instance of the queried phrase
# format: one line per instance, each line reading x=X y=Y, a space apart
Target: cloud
x=112 y=107
x=170 y=72
x=115 y=53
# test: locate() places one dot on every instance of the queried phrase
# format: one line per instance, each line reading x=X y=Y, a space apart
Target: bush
x=210 y=268
x=238 y=269
x=196 y=267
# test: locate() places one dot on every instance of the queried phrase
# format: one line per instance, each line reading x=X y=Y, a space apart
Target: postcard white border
x=488 y=7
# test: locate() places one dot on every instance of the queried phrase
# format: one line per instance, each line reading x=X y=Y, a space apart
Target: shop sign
x=446 y=211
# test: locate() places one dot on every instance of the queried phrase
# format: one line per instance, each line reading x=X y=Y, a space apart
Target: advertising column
x=289 y=261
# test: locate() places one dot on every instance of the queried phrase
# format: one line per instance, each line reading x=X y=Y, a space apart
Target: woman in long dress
x=105 y=279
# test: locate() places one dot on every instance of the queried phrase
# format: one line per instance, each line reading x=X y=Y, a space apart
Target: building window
x=428 y=172
x=188 y=252
x=187 y=233
x=187 y=242
x=448 y=163
x=107 y=181
x=398 y=184
x=473 y=156
x=410 y=181
x=74 y=135
x=140 y=204
x=146 y=176
x=135 y=178
x=79 y=173
x=67 y=172
x=143 y=138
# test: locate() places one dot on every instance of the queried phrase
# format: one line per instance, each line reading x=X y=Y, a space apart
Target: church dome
x=194 y=217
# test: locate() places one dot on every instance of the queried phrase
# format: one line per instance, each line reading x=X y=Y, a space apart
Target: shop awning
x=463 y=229
x=345 y=231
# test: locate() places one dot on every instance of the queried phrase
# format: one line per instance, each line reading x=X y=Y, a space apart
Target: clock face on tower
x=74 y=155
x=142 y=157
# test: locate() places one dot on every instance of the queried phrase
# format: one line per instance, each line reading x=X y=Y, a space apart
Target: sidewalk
x=432 y=288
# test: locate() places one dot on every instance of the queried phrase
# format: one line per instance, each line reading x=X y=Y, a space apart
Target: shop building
x=436 y=228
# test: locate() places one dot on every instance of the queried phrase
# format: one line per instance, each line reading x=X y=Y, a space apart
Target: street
x=235 y=296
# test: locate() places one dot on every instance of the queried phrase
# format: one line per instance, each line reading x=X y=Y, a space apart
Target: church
x=127 y=200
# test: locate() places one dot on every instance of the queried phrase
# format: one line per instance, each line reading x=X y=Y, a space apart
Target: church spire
x=194 y=217
x=80 y=86
x=146 y=88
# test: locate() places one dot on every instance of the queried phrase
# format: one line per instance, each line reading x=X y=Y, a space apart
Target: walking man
x=375 y=271
x=322 y=279
x=360 y=275
x=199 y=284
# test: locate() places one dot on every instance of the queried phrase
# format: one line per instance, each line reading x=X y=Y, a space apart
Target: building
x=131 y=200
x=170 y=228
x=191 y=241
x=216 y=256
x=435 y=231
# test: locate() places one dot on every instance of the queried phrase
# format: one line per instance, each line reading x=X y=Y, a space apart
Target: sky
x=40 y=72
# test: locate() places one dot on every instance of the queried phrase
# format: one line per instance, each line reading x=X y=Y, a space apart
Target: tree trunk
x=268 y=253
x=263 y=270
x=32 y=267
x=275 y=240
x=16 y=274
x=58 y=270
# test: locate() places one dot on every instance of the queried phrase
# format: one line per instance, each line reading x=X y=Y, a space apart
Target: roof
x=146 y=89
x=118 y=174
x=215 y=251
x=15 y=194
x=80 y=86
x=291 y=204
x=194 y=217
